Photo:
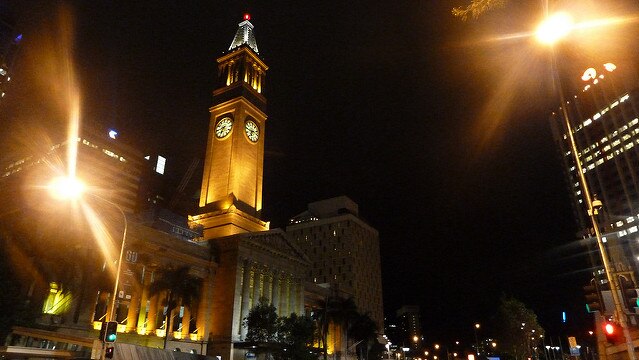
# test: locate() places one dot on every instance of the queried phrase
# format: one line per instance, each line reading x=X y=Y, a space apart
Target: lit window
x=159 y=168
x=632 y=230
x=622 y=233
x=619 y=223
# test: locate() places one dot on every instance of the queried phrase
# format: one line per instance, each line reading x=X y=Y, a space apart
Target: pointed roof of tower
x=244 y=35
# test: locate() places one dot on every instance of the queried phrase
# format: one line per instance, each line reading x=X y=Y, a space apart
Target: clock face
x=223 y=127
x=252 y=130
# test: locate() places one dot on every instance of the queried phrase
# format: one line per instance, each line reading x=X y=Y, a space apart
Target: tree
x=262 y=322
x=518 y=331
x=363 y=330
x=180 y=287
x=296 y=333
x=476 y=8
x=337 y=311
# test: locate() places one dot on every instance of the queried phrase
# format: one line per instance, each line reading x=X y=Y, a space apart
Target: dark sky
x=437 y=132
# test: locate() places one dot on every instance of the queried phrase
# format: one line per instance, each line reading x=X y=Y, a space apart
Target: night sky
x=438 y=131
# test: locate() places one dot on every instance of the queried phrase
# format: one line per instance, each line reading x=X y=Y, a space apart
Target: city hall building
x=227 y=247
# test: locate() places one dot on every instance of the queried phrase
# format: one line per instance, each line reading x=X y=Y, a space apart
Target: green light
x=111 y=337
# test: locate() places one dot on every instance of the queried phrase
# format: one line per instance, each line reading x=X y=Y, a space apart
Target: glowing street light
x=477 y=326
x=66 y=188
x=70 y=188
x=554 y=28
x=561 y=24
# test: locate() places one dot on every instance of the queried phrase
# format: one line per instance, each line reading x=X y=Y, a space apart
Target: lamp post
x=71 y=188
x=550 y=32
x=477 y=326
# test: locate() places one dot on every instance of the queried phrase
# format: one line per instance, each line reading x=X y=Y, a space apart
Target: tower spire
x=244 y=35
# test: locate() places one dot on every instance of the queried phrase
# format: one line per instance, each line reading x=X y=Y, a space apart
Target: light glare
x=66 y=188
x=554 y=28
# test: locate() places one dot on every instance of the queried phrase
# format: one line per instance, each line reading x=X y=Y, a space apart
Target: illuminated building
x=410 y=325
x=343 y=250
x=227 y=246
x=606 y=127
x=231 y=195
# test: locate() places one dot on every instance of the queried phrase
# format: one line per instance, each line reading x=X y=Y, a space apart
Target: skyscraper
x=343 y=250
x=605 y=121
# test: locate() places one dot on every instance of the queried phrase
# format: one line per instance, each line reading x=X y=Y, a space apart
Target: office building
x=343 y=250
x=605 y=120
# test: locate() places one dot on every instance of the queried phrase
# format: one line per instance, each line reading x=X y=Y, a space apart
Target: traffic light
x=629 y=293
x=632 y=298
x=108 y=352
x=593 y=297
x=110 y=331
x=613 y=332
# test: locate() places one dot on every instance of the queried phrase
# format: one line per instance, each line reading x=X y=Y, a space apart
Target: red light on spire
x=247 y=17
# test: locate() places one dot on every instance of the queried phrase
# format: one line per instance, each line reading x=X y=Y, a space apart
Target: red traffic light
x=609 y=329
x=108 y=352
x=613 y=332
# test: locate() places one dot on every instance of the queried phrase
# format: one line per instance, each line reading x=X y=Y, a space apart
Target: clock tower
x=231 y=194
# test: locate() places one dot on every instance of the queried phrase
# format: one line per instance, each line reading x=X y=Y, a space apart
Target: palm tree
x=334 y=310
x=180 y=287
x=363 y=330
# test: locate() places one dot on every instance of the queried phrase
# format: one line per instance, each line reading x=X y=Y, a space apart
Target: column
x=152 y=317
x=276 y=291
x=293 y=297
x=134 y=309
x=205 y=308
x=257 y=281
x=300 y=297
x=267 y=290
x=246 y=279
x=186 y=323
x=284 y=286
x=142 y=327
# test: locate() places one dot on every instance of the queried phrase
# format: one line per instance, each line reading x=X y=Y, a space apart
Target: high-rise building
x=343 y=250
x=410 y=325
x=605 y=122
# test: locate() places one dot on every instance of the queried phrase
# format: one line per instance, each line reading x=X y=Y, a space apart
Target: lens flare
x=554 y=28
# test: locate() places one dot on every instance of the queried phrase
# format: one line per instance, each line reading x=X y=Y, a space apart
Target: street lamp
x=477 y=326
x=561 y=24
x=71 y=188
